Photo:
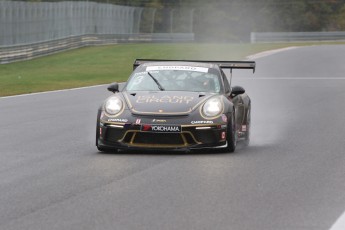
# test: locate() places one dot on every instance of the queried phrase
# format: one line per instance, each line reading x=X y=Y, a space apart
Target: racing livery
x=175 y=105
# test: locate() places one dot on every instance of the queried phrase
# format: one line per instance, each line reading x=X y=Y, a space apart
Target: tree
x=233 y=20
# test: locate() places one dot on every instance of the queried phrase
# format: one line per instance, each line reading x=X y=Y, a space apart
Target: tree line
x=233 y=20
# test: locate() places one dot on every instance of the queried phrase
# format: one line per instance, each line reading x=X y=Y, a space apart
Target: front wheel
x=100 y=148
x=106 y=150
x=231 y=137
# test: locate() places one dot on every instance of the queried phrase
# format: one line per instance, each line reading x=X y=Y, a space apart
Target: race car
x=175 y=105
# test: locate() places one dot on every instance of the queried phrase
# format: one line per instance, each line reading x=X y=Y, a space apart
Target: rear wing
x=222 y=64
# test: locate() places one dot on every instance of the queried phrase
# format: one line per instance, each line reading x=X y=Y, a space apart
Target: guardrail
x=296 y=36
x=10 y=54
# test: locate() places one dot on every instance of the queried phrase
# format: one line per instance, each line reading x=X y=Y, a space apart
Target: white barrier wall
x=296 y=36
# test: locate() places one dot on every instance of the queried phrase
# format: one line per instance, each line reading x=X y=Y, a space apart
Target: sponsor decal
x=117 y=120
x=159 y=120
x=165 y=99
x=188 y=68
x=161 y=128
x=224 y=118
x=138 y=121
x=201 y=122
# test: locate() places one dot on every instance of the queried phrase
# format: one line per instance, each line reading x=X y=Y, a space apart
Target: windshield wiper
x=155 y=80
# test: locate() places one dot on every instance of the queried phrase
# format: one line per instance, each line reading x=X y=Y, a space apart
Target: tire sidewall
x=232 y=134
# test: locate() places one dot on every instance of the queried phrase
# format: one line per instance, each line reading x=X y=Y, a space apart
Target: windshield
x=178 y=79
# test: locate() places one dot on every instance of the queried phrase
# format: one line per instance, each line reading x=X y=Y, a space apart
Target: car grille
x=159 y=139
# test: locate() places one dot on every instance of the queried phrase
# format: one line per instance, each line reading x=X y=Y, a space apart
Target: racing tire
x=231 y=137
x=247 y=136
x=106 y=150
x=102 y=149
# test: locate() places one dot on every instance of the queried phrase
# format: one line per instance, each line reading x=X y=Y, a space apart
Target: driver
x=207 y=84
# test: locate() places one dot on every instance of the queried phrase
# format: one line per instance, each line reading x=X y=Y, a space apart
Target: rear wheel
x=247 y=136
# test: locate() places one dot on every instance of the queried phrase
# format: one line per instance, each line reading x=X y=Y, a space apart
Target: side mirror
x=237 y=90
x=113 y=87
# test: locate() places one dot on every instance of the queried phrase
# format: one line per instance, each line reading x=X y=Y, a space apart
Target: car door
x=237 y=100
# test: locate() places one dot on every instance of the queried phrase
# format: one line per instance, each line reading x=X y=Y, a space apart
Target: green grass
x=105 y=64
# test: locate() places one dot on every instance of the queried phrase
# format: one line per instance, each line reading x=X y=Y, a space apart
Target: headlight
x=113 y=105
x=212 y=107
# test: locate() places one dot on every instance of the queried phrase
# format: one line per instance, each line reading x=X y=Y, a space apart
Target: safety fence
x=32 y=22
x=32 y=29
x=296 y=36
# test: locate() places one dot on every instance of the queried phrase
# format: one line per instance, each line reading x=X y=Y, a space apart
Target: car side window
x=226 y=83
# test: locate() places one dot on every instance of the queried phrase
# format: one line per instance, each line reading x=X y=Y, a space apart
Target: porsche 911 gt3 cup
x=175 y=105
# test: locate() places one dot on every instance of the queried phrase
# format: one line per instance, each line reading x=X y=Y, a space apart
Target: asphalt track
x=291 y=177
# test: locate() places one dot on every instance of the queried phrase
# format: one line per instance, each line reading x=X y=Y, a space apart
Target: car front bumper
x=132 y=136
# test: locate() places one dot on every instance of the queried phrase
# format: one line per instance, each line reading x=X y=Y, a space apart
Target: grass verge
x=105 y=64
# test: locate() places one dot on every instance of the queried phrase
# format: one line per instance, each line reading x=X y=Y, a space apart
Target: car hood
x=164 y=102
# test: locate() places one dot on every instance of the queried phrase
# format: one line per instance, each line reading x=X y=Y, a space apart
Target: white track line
x=269 y=52
x=339 y=224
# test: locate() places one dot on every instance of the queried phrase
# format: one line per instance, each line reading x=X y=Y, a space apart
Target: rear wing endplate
x=222 y=64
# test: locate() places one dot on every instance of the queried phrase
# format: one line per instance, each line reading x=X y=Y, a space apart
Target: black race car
x=175 y=105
